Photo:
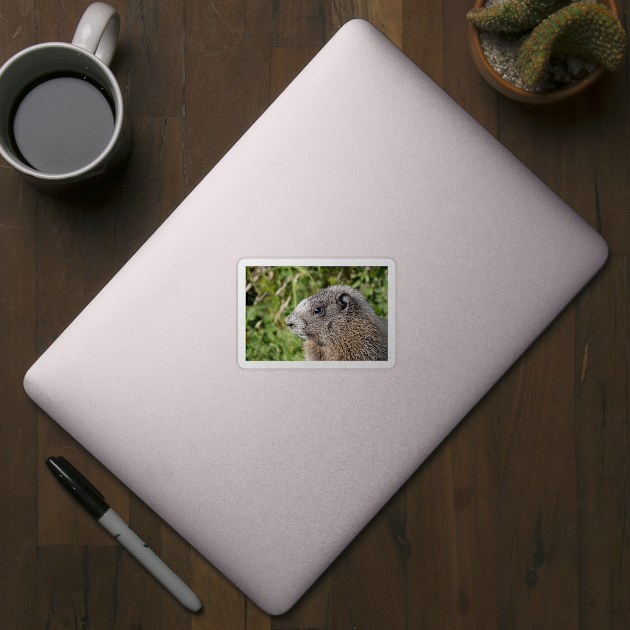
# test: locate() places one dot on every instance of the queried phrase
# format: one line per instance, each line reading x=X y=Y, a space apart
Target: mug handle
x=98 y=30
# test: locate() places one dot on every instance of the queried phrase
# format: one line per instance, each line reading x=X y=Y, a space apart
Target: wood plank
x=300 y=23
x=18 y=420
x=17 y=28
x=76 y=587
x=369 y=586
x=603 y=443
x=74 y=257
x=607 y=121
x=386 y=15
x=557 y=148
x=423 y=36
x=171 y=158
x=18 y=416
x=452 y=527
x=537 y=537
x=608 y=127
x=154 y=58
x=461 y=78
x=226 y=78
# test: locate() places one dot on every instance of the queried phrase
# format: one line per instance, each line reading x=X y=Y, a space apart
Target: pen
x=94 y=502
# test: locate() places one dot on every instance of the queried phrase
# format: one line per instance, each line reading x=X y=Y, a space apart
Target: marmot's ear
x=344 y=301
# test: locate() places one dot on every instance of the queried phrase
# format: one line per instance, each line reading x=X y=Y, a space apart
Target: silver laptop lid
x=270 y=473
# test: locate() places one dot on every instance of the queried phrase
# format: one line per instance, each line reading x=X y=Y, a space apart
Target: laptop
x=267 y=470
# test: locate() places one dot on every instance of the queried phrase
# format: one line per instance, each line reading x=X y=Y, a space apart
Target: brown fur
x=344 y=328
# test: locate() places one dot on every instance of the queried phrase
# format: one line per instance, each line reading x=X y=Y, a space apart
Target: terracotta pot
x=508 y=89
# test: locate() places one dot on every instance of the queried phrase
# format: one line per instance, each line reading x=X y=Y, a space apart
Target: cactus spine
x=513 y=16
x=583 y=29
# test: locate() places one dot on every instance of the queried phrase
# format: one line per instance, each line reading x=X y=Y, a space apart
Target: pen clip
x=74 y=471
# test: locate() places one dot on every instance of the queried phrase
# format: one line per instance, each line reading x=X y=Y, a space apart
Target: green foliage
x=584 y=29
x=273 y=292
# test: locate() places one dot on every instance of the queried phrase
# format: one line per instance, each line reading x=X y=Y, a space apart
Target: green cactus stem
x=583 y=29
x=513 y=16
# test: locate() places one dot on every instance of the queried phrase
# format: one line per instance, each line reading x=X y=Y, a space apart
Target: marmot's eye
x=318 y=310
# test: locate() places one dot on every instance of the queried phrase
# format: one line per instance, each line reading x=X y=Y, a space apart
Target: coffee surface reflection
x=62 y=123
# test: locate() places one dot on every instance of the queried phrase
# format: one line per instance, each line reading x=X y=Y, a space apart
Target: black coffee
x=62 y=123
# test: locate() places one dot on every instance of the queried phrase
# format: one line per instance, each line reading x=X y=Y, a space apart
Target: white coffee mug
x=62 y=114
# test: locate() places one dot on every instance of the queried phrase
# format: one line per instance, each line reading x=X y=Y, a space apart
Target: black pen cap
x=78 y=486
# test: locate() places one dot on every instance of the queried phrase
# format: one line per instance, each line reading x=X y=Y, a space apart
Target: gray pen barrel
x=149 y=559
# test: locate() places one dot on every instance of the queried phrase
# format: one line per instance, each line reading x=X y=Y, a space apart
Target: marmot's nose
x=289 y=320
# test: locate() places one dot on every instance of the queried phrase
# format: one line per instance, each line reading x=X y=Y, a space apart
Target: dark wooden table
x=518 y=520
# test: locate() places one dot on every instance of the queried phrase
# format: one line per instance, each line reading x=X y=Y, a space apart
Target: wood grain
x=609 y=134
x=300 y=23
x=226 y=78
x=461 y=79
x=422 y=36
x=537 y=537
x=76 y=587
x=602 y=381
x=154 y=57
x=18 y=416
x=18 y=324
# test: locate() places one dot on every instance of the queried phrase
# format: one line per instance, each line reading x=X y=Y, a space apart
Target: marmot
x=338 y=324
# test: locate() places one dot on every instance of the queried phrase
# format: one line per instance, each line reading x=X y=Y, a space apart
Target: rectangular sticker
x=316 y=313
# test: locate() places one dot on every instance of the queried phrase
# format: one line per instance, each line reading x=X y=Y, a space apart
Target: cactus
x=583 y=29
x=513 y=16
